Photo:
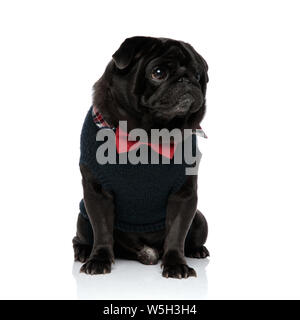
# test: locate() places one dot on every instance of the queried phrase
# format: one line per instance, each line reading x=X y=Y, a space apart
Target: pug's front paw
x=178 y=271
x=174 y=266
x=94 y=266
x=99 y=262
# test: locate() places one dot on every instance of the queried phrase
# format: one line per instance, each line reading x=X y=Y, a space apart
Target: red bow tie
x=124 y=145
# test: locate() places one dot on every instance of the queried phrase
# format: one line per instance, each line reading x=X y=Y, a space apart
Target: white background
x=51 y=54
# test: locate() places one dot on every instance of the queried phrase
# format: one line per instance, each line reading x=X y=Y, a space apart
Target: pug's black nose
x=184 y=79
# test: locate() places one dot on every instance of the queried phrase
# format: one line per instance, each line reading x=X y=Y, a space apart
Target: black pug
x=143 y=212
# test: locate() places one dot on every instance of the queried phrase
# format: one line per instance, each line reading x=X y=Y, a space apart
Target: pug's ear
x=205 y=79
x=205 y=67
x=130 y=49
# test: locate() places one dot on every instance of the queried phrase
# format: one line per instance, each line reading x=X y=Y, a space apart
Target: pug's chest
x=143 y=180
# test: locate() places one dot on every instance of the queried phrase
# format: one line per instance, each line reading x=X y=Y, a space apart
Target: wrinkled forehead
x=168 y=49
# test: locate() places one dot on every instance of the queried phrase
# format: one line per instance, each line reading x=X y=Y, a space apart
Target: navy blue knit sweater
x=140 y=191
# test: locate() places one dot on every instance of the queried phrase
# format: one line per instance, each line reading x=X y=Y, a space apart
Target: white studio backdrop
x=51 y=54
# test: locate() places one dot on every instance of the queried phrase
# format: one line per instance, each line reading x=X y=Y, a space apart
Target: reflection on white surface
x=133 y=280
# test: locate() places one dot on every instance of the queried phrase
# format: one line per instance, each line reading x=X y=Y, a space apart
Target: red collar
x=124 y=145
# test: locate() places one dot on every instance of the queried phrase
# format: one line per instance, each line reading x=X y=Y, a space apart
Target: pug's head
x=153 y=83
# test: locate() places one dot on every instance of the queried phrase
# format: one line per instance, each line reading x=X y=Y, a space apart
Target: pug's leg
x=100 y=208
x=83 y=241
x=181 y=209
x=197 y=235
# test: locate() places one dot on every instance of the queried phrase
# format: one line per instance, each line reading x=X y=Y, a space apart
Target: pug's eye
x=198 y=76
x=159 y=73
